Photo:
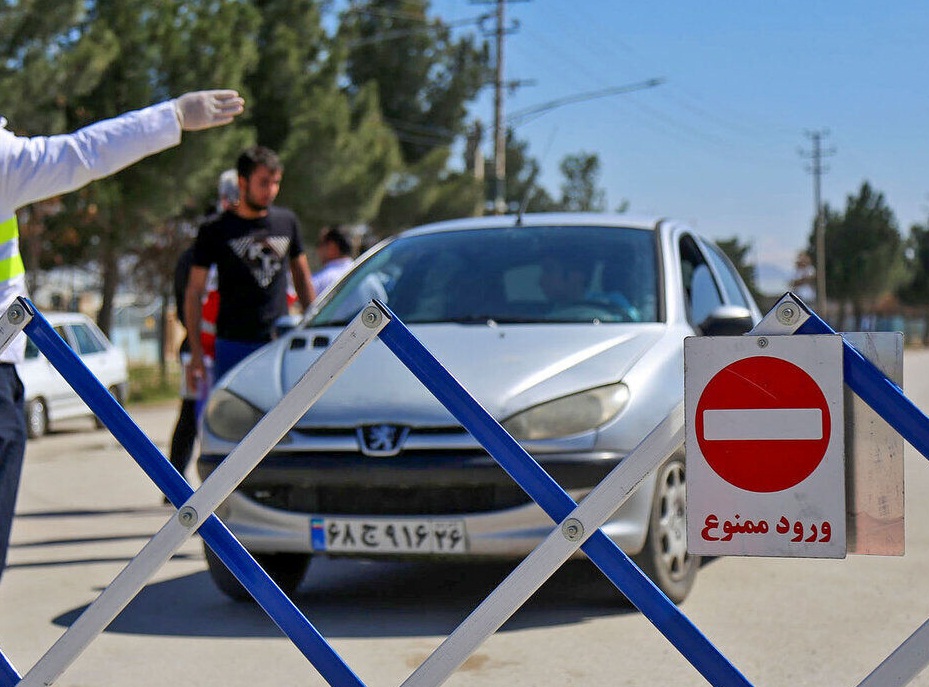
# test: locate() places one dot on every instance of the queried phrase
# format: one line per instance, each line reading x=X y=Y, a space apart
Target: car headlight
x=229 y=417
x=570 y=414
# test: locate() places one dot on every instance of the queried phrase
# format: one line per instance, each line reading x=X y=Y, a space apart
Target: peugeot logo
x=382 y=440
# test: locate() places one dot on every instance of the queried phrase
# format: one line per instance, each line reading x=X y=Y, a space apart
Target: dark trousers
x=185 y=432
x=230 y=353
x=12 y=450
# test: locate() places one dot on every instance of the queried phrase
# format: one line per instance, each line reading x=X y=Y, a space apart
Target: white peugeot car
x=567 y=328
x=49 y=398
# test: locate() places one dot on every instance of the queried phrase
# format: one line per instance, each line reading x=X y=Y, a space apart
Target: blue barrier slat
x=8 y=675
x=268 y=595
x=874 y=388
x=533 y=479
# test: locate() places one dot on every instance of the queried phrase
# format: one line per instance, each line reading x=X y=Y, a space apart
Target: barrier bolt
x=187 y=516
x=371 y=317
x=787 y=313
x=762 y=342
x=16 y=314
x=572 y=529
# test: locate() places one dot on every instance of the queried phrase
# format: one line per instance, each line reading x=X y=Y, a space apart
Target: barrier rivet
x=187 y=516
x=787 y=313
x=371 y=317
x=762 y=342
x=16 y=314
x=572 y=529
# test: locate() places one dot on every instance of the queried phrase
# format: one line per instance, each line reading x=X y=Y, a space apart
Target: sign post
x=765 y=447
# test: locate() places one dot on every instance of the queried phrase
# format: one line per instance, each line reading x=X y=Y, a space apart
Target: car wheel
x=286 y=569
x=36 y=418
x=114 y=392
x=664 y=558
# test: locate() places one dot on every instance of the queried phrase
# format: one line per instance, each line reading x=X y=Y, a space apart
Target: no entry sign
x=764 y=442
x=763 y=424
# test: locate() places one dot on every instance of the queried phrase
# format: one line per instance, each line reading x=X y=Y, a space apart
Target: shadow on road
x=348 y=599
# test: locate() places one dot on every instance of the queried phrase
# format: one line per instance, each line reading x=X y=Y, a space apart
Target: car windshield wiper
x=497 y=319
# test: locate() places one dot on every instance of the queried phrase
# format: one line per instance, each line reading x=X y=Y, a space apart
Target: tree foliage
x=864 y=257
x=580 y=191
x=523 y=187
x=364 y=110
x=293 y=62
x=339 y=159
x=424 y=77
x=70 y=63
x=915 y=290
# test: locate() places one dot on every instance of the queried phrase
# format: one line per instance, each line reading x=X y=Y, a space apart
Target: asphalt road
x=86 y=509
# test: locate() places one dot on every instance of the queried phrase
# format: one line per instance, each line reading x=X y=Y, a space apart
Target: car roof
x=55 y=317
x=544 y=219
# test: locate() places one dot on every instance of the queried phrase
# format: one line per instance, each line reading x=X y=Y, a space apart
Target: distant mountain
x=773 y=279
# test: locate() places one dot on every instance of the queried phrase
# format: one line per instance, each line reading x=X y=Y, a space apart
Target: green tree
x=424 y=77
x=427 y=192
x=69 y=63
x=339 y=158
x=914 y=291
x=864 y=251
x=295 y=58
x=523 y=189
x=579 y=191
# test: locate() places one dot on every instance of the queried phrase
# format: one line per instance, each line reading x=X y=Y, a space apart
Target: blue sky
x=719 y=143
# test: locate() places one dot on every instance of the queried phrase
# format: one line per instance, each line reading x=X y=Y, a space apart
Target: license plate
x=415 y=536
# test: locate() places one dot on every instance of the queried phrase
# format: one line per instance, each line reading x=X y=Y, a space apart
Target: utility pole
x=499 y=32
x=499 y=125
x=817 y=169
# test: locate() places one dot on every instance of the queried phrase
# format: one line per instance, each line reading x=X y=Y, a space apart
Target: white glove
x=206 y=109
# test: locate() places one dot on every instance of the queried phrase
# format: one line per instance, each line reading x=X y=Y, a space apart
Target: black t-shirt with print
x=252 y=258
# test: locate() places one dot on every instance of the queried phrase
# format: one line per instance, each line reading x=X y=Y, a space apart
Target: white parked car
x=49 y=398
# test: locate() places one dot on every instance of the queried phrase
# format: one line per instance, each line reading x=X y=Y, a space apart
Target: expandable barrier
x=575 y=526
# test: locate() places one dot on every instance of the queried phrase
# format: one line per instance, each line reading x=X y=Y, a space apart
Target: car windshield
x=563 y=274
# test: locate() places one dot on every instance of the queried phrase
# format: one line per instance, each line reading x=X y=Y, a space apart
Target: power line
x=526 y=115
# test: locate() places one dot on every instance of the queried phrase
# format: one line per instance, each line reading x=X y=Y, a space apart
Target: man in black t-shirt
x=253 y=245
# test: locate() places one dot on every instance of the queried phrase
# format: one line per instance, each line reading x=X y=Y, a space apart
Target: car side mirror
x=727 y=320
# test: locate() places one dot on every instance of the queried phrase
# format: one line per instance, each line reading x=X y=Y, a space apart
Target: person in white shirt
x=335 y=253
x=39 y=167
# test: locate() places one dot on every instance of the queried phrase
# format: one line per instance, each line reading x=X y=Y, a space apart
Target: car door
x=62 y=400
x=731 y=284
x=41 y=379
x=710 y=282
x=95 y=352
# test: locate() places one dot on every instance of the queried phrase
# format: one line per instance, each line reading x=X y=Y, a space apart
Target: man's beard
x=250 y=203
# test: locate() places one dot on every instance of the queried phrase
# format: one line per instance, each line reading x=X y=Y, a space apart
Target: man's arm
x=193 y=305
x=181 y=275
x=303 y=280
x=43 y=166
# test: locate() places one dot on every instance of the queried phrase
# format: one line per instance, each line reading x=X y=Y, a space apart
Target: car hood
x=506 y=368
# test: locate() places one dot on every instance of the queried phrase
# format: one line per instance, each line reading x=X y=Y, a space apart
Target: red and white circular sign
x=763 y=424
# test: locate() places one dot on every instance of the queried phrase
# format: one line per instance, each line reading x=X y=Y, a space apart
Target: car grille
x=361 y=500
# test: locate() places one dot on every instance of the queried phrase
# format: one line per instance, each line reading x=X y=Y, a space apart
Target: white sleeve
x=39 y=167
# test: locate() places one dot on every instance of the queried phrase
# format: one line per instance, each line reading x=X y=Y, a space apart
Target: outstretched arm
x=33 y=168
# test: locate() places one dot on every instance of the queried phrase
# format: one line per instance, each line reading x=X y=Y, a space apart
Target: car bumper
x=275 y=508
